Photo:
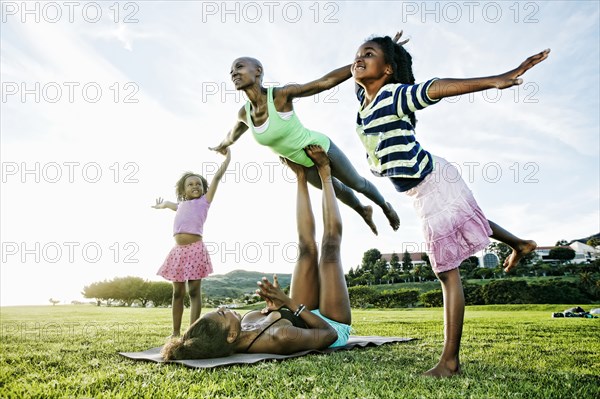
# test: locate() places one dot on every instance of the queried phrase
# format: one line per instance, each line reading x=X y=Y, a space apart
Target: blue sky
x=104 y=106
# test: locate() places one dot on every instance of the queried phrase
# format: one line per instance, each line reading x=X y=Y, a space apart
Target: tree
x=500 y=249
x=160 y=293
x=406 y=261
x=128 y=289
x=468 y=266
x=395 y=265
x=483 y=273
x=369 y=258
x=562 y=254
x=123 y=289
x=560 y=243
x=53 y=301
x=392 y=276
x=427 y=273
x=418 y=271
x=541 y=268
x=100 y=291
x=380 y=269
x=351 y=274
x=367 y=278
x=354 y=276
x=425 y=258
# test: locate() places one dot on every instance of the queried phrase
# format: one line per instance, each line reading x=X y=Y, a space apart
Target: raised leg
x=519 y=246
x=454 y=311
x=346 y=195
x=334 y=302
x=343 y=170
x=305 y=279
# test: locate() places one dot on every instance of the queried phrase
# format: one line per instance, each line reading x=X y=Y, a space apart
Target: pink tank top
x=190 y=216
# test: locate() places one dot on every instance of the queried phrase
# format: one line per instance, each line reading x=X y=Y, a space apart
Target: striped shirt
x=386 y=132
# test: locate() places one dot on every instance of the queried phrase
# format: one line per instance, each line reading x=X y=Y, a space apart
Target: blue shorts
x=343 y=330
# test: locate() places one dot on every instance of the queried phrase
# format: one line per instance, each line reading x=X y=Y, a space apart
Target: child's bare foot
x=442 y=370
x=299 y=170
x=517 y=254
x=392 y=216
x=367 y=215
x=318 y=155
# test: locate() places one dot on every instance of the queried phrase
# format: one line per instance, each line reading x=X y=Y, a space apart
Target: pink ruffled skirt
x=186 y=262
x=453 y=224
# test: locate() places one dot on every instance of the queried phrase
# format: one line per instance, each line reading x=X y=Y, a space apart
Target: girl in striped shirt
x=453 y=224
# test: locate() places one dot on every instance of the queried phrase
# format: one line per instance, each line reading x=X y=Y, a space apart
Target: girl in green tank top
x=269 y=114
x=286 y=137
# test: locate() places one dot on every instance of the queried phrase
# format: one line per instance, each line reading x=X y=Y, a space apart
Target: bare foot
x=392 y=216
x=299 y=170
x=318 y=155
x=442 y=370
x=517 y=254
x=367 y=215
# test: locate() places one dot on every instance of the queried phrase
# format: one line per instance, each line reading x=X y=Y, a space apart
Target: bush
x=510 y=291
x=556 y=292
x=505 y=291
x=473 y=294
x=397 y=298
x=432 y=298
x=362 y=296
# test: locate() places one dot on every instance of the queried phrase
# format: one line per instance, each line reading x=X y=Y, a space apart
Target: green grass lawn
x=507 y=351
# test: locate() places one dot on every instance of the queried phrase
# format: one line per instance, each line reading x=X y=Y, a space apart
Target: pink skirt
x=453 y=224
x=186 y=262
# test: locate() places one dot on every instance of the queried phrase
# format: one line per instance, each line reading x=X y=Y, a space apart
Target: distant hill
x=585 y=240
x=238 y=283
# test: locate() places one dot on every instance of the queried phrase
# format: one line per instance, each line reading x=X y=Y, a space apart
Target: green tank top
x=286 y=138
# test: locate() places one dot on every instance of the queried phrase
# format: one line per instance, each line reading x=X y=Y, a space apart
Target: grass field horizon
x=71 y=351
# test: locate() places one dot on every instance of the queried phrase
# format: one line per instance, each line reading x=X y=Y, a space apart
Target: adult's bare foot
x=391 y=216
x=367 y=215
x=318 y=155
x=518 y=253
x=299 y=170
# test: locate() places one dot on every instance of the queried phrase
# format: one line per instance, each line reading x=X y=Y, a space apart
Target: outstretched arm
x=453 y=87
x=235 y=133
x=212 y=189
x=162 y=204
x=326 y=82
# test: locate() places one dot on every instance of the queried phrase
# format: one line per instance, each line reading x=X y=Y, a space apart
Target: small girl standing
x=453 y=224
x=189 y=260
